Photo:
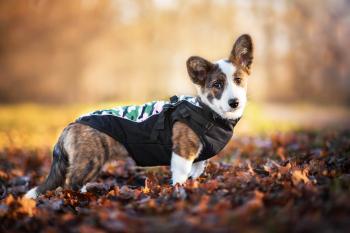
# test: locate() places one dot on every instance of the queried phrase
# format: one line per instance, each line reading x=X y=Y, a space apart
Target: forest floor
x=297 y=180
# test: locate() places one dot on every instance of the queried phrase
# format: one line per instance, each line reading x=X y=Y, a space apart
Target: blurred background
x=59 y=59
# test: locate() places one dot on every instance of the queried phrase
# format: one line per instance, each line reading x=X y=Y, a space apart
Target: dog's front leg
x=180 y=168
x=186 y=148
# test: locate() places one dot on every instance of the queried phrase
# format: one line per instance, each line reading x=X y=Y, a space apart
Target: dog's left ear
x=242 y=53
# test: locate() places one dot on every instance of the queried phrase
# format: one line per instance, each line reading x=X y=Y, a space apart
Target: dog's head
x=222 y=85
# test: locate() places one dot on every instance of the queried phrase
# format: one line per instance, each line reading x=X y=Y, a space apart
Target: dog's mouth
x=227 y=113
x=232 y=110
x=232 y=113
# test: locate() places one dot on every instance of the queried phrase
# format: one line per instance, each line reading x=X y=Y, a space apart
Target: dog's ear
x=198 y=69
x=242 y=53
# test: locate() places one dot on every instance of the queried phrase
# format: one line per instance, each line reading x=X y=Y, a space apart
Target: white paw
x=32 y=194
x=83 y=189
x=197 y=169
x=178 y=178
x=180 y=168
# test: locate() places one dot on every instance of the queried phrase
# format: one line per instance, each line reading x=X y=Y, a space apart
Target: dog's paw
x=197 y=169
x=83 y=189
x=178 y=179
x=195 y=173
x=32 y=194
x=180 y=169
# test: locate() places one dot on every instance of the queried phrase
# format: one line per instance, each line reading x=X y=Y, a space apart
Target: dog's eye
x=238 y=80
x=218 y=85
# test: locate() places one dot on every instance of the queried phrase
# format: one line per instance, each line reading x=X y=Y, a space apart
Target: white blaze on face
x=231 y=91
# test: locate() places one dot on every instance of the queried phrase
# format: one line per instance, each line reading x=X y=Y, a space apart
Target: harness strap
x=197 y=118
x=199 y=123
x=160 y=123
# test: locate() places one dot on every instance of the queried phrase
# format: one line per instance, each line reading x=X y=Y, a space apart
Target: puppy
x=183 y=132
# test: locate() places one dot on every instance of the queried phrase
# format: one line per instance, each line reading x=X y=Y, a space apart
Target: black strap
x=200 y=122
x=198 y=118
x=184 y=113
x=160 y=124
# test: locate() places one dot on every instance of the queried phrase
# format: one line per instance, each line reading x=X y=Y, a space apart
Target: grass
x=33 y=125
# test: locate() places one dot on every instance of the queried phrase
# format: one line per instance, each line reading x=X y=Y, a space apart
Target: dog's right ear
x=198 y=69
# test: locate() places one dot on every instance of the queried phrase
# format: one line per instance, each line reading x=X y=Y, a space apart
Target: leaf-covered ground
x=290 y=182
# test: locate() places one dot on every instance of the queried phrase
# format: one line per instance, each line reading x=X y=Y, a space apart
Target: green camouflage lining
x=139 y=113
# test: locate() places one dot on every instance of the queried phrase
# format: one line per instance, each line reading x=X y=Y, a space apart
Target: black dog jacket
x=146 y=130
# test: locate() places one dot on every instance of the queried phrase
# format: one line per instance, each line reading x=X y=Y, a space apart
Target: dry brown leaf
x=202 y=205
x=300 y=175
x=9 y=200
x=28 y=206
x=250 y=206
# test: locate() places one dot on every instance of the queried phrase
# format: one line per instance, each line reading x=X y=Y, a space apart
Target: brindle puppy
x=81 y=151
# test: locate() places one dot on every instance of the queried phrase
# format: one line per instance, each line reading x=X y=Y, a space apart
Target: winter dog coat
x=146 y=130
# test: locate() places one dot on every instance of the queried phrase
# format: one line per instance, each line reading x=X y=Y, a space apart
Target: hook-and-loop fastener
x=196 y=118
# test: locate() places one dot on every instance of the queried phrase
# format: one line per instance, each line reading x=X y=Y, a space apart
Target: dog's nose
x=233 y=103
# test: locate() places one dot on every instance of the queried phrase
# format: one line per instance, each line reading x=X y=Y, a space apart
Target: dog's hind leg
x=82 y=173
x=88 y=154
x=78 y=158
x=57 y=172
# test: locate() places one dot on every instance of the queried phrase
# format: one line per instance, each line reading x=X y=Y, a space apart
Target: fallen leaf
x=28 y=206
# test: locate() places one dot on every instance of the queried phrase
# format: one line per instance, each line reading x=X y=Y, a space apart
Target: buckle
x=174 y=99
x=209 y=125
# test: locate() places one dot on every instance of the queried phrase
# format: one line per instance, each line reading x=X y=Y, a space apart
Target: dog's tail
x=57 y=173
